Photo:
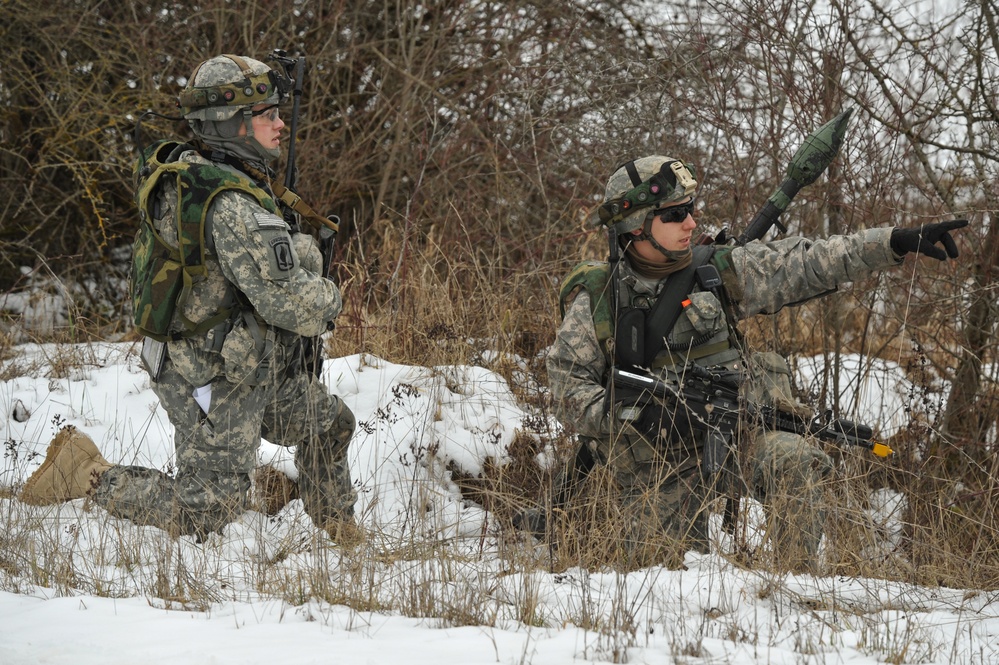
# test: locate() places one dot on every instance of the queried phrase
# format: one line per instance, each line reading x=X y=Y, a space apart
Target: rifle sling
x=282 y=193
x=669 y=304
x=295 y=202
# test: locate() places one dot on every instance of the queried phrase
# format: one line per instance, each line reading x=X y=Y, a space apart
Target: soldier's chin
x=267 y=154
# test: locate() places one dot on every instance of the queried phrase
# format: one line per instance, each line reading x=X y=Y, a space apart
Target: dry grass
x=454 y=242
x=468 y=318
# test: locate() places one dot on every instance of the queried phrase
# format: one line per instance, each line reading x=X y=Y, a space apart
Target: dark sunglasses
x=674 y=213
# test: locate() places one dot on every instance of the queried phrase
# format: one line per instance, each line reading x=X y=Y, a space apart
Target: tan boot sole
x=58 y=443
x=62 y=439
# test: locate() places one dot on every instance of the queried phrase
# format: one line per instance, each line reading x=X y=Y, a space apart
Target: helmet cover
x=639 y=185
x=225 y=84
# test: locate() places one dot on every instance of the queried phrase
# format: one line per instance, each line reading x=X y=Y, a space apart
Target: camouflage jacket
x=761 y=278
x=249 y=250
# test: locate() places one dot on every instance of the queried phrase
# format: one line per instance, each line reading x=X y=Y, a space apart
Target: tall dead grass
x=462 y=207
x=444 y=309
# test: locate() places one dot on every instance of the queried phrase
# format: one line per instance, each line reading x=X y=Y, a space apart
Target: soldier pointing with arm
x=666 y=307
x=225 y=316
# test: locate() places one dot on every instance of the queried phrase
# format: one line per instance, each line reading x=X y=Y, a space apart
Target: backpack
x=162 y=275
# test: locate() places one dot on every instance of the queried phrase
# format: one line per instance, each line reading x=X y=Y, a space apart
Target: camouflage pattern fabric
x=663 y=501
x=159 y=270
x=257 y=386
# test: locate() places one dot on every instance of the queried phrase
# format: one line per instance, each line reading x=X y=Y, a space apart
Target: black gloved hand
x=650 y=422
x=658 y=421
x=923 y=239
x=312 y=355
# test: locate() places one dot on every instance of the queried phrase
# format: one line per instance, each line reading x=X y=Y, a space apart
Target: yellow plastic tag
x=881 y=450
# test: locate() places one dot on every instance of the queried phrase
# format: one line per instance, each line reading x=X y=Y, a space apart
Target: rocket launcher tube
x=808 y=163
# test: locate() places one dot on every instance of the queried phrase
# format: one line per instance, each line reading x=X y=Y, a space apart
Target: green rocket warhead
x=808 y=163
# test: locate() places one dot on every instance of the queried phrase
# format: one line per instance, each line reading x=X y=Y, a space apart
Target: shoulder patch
x=283 y=259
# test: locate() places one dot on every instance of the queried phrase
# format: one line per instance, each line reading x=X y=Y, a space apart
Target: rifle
x=826 y=428
x=706 y=398
x=808 y=163
x=290 y=202
x=712 y=399
x=292 y=205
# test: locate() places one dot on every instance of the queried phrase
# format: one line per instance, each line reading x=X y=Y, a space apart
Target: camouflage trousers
x=661 y=502
x=217 y=454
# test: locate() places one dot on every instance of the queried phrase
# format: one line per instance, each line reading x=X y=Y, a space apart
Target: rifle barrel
x=289 y=174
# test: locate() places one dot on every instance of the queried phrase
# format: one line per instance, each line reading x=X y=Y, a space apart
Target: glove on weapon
x=657 y=418
x=704 y=400
x=923 y=239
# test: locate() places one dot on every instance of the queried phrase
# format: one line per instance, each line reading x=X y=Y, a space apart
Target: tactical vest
x=162 y=275
x=594 y=278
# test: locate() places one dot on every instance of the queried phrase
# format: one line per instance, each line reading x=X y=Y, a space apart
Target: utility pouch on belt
x=153 y=356
x=248 y=351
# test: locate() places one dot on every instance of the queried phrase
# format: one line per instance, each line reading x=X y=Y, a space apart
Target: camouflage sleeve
x=774 y=274
x=576 y=369
x=307 y=250
x=256 y=253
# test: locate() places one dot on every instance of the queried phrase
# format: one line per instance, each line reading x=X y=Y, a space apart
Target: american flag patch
x=266 y=220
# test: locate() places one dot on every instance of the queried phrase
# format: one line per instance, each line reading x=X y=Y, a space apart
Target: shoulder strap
x=669 y=304
x=200 y=184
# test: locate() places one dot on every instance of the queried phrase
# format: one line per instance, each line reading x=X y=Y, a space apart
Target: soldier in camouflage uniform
x=654 y=454
x=251 y=364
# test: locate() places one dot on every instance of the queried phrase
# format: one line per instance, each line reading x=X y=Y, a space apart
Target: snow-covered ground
x=439 y=583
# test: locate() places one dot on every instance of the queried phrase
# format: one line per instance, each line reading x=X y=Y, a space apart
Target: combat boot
x=72 y=467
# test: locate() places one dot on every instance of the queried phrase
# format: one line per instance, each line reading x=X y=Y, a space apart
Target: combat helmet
x=220 y=87
x=219 y=100
x=639 y=186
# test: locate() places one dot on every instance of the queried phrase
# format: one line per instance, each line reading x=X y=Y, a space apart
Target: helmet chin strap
x=646 y=234
x=224 y=135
